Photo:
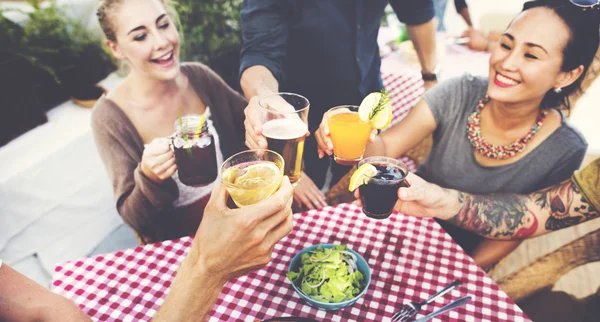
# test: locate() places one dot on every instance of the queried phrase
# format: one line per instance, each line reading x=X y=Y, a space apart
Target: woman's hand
x=424 y=199
x=308 y=195
x=158 y=161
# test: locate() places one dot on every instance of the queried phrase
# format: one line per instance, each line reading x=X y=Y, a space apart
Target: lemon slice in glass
x=252 y=182
x=366 y=170
x=258 y=175
x=376 y=109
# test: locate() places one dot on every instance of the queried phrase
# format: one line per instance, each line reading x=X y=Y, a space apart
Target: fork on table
x=408 y=311
x=454 y=304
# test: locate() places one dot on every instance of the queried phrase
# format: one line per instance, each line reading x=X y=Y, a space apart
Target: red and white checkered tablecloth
x=405 y=92
x=410 y=259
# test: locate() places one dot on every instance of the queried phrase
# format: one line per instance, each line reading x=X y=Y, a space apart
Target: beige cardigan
x=145 y=205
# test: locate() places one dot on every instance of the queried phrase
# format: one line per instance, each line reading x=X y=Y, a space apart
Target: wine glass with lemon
x=253 y=175
x=350 y=126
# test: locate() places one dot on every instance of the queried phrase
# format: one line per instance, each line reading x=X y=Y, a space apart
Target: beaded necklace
x=499 y=152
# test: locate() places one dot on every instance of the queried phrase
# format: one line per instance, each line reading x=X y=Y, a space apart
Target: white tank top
x=188 y=195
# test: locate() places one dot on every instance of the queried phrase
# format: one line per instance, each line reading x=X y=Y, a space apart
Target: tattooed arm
x=499 y=216
x=512 y=216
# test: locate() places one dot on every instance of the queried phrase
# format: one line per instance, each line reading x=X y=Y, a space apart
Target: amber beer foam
x=286 y=137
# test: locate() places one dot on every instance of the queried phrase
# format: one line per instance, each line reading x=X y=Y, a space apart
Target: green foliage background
x=52 y=42
x=211 y=34
x=210 y=29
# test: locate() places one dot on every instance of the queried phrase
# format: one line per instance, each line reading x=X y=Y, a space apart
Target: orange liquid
x=349 y=135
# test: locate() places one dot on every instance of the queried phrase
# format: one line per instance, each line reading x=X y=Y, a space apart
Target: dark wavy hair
x=581 y=47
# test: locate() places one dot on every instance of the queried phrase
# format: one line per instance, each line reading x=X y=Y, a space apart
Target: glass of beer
x=253 y=175
x=349 y=134
x=284 y=119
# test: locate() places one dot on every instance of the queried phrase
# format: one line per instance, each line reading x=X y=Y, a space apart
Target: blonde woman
x=131 y=123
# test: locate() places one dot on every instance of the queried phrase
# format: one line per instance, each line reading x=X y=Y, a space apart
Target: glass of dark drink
x=194 y=148
x=379 y=193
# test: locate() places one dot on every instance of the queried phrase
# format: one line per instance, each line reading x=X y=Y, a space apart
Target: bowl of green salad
x=329 y=276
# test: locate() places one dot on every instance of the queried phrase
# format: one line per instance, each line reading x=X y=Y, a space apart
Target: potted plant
x=44 y=62
x=78 y=60
x=70 y=53
x=23 y=77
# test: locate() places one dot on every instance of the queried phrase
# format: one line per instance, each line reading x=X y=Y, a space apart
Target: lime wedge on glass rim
x=366 y=170
x=376 y=109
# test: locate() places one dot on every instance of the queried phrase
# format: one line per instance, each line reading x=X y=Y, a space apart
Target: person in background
x=327 y=51
x=507 y=216
x=505 y=133
x=229 y=243
x=481 y=41
x=461 y=8
x=131 y=123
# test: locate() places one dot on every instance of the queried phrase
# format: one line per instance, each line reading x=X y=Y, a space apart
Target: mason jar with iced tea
x=194 y=148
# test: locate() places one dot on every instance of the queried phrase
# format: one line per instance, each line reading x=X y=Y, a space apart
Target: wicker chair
x=539 y=277
x=544 y=272
x=339 y=192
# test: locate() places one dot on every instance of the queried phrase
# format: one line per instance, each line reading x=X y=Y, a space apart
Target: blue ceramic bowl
x=361 y=264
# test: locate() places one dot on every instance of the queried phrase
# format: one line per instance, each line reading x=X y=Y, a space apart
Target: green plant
x=44 y=62
x=21 y=76
x=210 y=28
x=60 y=46
x=211 y=34
x=18 y=49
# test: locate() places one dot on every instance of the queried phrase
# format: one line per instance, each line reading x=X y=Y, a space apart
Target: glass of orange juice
x=348 y=133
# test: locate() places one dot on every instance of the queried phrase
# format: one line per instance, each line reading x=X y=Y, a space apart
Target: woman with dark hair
x=506 y=133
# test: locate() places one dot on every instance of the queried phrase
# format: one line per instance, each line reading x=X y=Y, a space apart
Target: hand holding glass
x=284 y=118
